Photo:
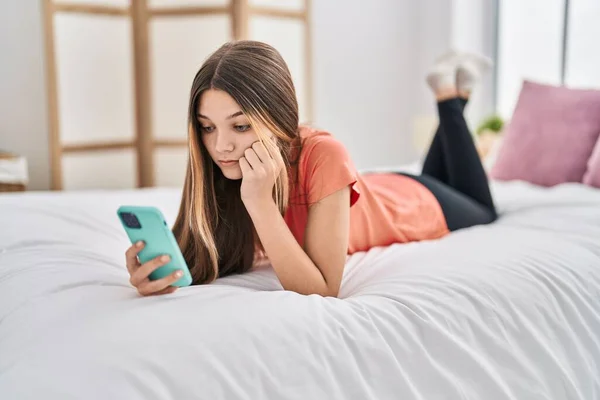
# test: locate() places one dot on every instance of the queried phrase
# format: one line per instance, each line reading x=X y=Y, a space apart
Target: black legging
x=453 y=172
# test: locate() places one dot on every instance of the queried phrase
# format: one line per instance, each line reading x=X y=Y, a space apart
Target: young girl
x=257 y=184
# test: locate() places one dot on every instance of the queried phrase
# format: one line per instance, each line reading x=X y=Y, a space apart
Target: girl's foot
x=450 y=57
x=442 y=80
x=469 y=71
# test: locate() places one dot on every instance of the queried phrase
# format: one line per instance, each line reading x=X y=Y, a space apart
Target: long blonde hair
x=213 y=229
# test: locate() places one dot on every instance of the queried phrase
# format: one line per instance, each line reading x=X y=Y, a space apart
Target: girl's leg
x=463 y=166
x=452 y=169
x=435 y=162
x=460 y=210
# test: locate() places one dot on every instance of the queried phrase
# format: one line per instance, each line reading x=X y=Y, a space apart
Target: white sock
x=442 y=76
x=484 y=62
x=467 y=76
x=451 y=56
x=470 y=70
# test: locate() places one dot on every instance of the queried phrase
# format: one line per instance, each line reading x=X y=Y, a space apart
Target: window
x=582 y=68
x=547 y=41
x=529 y=47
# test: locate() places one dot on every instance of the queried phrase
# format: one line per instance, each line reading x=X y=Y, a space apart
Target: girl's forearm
x=294 y=268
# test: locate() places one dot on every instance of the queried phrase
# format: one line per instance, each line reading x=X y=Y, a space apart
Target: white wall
x=23 y=111
x=363 y=76
x=430 y=38
x=441 y=25
x=370 y=61
x=474 y=30
x=370 y=66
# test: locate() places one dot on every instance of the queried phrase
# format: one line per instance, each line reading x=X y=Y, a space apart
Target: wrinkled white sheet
x=505 y=311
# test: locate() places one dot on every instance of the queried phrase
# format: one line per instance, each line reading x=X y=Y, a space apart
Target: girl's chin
x=232 y=174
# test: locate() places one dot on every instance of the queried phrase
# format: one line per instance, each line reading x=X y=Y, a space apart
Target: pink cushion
x=592 y=176
x=551 y=136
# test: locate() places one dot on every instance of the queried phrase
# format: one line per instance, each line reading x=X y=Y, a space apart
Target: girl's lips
x=227 y=163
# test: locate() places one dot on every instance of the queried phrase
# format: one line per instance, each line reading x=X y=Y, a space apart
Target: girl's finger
x=245 y=166
x=278 y=159
x=267 y=162
x=169 y=290
x=261 y=151
x=159 y=285
x=146 y=269
x=131 y=256
x=252 y=158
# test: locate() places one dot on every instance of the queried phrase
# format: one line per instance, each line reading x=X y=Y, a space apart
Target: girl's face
x=225 y=131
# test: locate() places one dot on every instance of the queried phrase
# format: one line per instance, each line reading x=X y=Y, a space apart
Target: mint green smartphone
x=148 y=225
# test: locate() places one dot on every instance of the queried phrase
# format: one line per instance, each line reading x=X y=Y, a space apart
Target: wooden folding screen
x=119 y=74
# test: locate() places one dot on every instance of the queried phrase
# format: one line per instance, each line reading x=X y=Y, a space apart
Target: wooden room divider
x=119 y=74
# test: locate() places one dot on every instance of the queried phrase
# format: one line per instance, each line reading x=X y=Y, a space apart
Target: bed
x=505 y=311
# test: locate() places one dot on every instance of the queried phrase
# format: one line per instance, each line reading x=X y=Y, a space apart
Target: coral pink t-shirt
x=384 y=208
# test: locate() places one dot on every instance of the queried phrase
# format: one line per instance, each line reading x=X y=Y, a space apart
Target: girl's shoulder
x=320 y=145
x=325 y=165
x=313 y=138
x=310 y=133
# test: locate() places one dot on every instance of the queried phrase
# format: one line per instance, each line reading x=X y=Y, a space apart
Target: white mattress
x=505 y=311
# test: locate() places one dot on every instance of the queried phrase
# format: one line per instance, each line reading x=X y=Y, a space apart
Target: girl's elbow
x=332 y=290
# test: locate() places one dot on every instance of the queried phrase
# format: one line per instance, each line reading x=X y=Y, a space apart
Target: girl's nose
x=224 y=143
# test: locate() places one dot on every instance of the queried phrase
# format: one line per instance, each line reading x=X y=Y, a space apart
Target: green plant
x=492 y=123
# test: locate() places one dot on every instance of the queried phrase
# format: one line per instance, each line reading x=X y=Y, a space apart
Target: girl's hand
x=259 y=173
x=139 y=273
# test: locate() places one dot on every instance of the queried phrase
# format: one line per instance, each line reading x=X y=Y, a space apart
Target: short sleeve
x=328 y=169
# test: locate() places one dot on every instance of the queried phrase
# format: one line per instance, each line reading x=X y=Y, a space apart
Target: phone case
x=159 y=240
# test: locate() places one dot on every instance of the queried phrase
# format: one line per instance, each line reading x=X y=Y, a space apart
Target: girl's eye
x=242 y=128
x=207 y=129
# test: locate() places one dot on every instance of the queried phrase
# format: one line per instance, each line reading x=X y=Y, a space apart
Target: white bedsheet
x=505 y=311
